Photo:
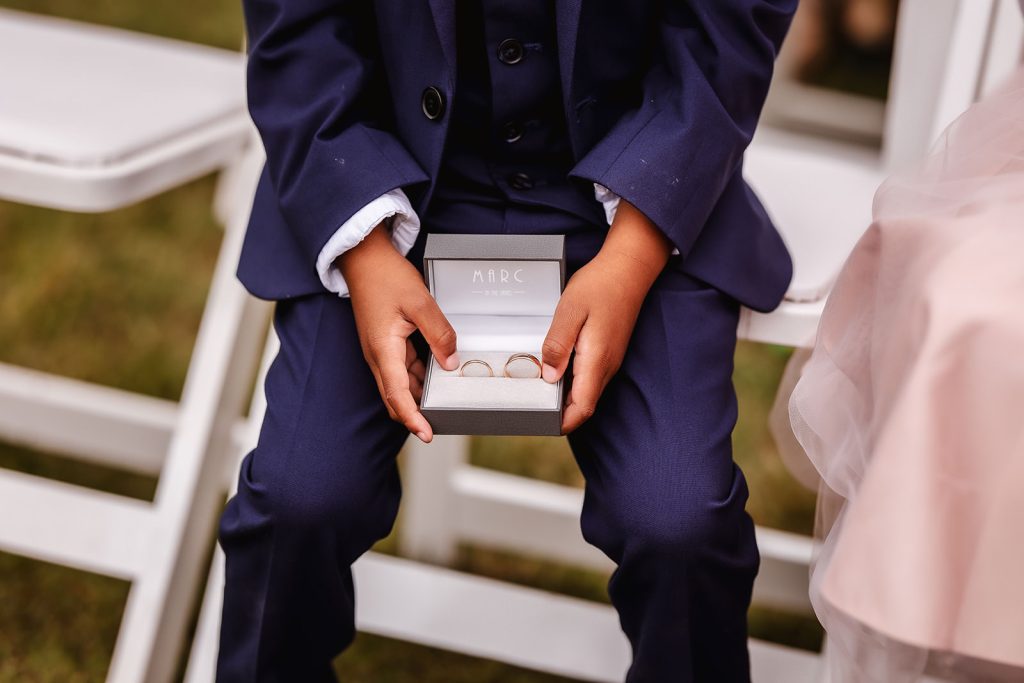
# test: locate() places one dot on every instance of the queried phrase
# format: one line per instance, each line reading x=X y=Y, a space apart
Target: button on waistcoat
x=507 y=140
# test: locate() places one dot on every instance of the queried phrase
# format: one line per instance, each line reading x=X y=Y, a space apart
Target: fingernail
x=549 y=373
x=453 y=362
x=422 y=437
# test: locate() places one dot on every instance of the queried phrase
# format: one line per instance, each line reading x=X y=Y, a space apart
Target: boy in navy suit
x=620 y=125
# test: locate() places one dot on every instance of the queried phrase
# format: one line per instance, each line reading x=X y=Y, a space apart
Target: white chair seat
x=92 y=118
x=819 y=194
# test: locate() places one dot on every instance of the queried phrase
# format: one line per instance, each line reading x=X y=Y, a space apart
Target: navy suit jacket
x=661 y=99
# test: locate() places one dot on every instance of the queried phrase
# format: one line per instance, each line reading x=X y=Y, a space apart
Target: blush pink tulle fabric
x=911 y=409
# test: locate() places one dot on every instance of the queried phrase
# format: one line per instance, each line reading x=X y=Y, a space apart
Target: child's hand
x=599 y=308
x=391 y=302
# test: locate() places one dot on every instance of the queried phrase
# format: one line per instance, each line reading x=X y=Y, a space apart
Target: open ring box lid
x=499 y=292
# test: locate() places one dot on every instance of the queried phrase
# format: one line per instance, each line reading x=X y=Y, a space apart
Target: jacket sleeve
x=321 y=106
x=673 y=155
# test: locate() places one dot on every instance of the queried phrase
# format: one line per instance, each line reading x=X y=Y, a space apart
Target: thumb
x=436 y=330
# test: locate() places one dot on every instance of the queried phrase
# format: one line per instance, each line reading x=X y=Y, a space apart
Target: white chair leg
x=428 y=530
x=202 y=661
x=190 y=489
x=235 y=184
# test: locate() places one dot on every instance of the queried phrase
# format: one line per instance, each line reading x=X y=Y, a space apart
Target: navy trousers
x=663 y=500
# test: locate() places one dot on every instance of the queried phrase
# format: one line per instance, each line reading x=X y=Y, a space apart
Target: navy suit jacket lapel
x=567 y=24
x=444 y=23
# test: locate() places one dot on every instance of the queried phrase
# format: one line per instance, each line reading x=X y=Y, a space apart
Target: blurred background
x=117 y=298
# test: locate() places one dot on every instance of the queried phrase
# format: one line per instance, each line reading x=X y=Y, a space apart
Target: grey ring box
x=499 y=292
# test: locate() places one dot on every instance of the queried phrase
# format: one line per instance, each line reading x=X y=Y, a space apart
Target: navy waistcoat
x=508 y=141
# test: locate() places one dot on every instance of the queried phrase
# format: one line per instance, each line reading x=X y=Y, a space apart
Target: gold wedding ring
x=522 y=356
x=474 y=361
x=511 y=359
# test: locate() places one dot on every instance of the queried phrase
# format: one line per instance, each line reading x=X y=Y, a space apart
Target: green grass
x=117 y=298
x=216 y=22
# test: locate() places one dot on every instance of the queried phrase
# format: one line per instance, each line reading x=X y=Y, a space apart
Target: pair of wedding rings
x=506 y=370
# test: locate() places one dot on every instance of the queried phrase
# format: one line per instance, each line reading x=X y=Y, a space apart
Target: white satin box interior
x=499 y=292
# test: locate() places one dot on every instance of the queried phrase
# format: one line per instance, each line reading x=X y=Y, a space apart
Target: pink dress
x=911 y=409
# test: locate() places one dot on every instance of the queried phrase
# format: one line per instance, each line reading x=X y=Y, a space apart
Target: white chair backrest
x=948 y=53
x=1006 y=45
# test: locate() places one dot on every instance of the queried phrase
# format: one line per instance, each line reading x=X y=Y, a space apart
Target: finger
x=395 y=389
x=413 y=363
x=416 y=388
x=590 y=373
x=410 y=353
x=380 y=390
x=418 y=370
x=586 y=390
x=436 y=330
x=565 y=328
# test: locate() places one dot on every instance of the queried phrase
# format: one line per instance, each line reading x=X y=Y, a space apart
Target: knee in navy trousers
x=663 y=500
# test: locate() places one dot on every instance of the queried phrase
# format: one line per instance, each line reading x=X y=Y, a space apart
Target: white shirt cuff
x=393 y=207
x=610 y=201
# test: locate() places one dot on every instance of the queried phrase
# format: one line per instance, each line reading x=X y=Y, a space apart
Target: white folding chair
x=819 y=192
x=948 y=53
x=92 y=119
